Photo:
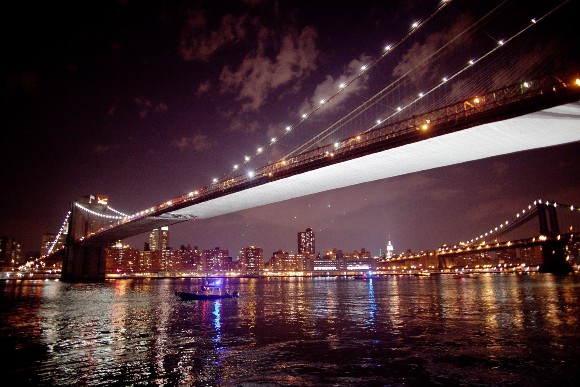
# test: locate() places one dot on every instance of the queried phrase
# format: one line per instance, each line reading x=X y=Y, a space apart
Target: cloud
x=197 y=142
x=203 y=88
x=329 y=87
x=412 y=60
x=145 y=106
x=259 y=75
x=199 y=44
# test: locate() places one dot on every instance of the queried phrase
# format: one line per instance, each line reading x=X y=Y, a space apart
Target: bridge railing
x=478 y=105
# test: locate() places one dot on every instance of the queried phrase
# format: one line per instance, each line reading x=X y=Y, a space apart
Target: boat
x=208 y=291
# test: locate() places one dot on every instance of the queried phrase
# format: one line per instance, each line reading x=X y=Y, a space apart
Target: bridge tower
x=85 y=263
x=553 y=247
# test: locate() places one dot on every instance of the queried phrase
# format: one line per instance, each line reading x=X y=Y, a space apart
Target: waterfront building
x=10 y=252
x=306 y=242
x=283 y=261
x=159 y=247
x=251 y=259
x=46 y=244
x=187 y=259
x=122 y=259
x=216 y=259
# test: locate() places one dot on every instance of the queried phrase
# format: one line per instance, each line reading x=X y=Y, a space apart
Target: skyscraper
x=306 y=242
x=390 y=249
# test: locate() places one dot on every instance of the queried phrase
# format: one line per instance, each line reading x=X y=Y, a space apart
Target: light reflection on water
x=397 y=330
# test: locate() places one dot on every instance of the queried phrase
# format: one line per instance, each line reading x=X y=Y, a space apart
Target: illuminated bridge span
x=547 y=224
x=484 y=126
x=496 y=103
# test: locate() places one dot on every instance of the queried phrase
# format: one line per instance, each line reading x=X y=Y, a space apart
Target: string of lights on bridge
x=64 y=225
x=481 y=239
x=342 y=87
x=415 y=26
x=444 y=80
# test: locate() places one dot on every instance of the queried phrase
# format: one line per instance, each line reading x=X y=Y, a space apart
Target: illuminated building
x=216 y=259
x=306 y=243
x=283 y=261
x=10 y=252
x=251 y=259
x=159 y=247
x=390 y=249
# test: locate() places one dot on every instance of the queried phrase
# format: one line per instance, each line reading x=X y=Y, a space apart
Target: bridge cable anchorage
x=416 y=26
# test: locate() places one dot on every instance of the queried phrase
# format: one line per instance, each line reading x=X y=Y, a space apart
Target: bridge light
x=304 y=115
x=358 y=138
x=322 y=102
x=526 y=84
x=533 y=21
x=415 y=25
x=215 y=180
x=363 y=68
x=476 y=100
x=196 y=192
x=388 y=47
x=471 y=62
x=420 y=95
x=247 y=158
x=259 y=150
x=399 y=109
x=251 y=174
x=273 y=140
x=236 y=166
x=342 y=85
x=577 y=81
x=288 y=128
x=444 y=79
x=336 y=145
x=378 y=121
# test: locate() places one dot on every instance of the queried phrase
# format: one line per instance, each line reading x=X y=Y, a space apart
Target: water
x=520 y=330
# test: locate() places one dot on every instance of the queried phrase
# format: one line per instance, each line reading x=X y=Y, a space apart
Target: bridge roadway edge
x=550 y=127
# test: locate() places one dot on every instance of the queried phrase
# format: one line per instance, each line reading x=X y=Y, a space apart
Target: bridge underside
x=550 y=127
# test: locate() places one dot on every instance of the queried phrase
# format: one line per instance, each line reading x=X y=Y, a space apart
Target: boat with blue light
x=208 y=291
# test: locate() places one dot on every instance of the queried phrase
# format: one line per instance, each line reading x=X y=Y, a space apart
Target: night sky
x=145 y=101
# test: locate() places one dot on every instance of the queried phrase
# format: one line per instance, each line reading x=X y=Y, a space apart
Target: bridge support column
x=83 y=264
x=553 y=248
x=554 y=258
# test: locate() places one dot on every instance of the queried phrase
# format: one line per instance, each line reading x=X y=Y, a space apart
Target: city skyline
x=145 y=102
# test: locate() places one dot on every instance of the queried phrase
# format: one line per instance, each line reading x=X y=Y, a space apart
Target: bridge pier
x=83 y=264
x=553 y=248
x=554 y=258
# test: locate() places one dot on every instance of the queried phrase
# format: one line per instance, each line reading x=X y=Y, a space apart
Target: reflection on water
x=398 y=330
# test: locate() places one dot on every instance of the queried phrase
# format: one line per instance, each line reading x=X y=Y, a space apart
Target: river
x=492 y=329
